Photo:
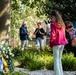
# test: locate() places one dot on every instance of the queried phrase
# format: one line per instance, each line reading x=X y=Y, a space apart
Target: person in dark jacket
x=39 y=32
x=72 y=35
x=24 y=35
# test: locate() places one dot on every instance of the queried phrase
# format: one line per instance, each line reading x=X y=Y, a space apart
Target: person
x=75 y=24
x=24 y=35
x=39 y=32
x=48 y=29
x=57 y=40
x=68 y=47
x=72 y=35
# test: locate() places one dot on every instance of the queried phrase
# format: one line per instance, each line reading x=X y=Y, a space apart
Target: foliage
x=13 y=73
x=34 y=59
x=37 y=4
x=5 y=51
x=16 y=51
x=29 y=10
x=69 y=62
x=34 y=11
x=21 y=9
x=31 y=54
x=66 y=7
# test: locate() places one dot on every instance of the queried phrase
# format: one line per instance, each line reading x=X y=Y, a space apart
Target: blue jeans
x=57 y=53
x=39 y=42
x=24 y=43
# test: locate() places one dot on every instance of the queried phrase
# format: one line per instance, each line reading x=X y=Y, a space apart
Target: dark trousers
x=74 y=51
x=69 y=48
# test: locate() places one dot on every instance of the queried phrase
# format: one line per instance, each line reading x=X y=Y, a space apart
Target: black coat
x=23 y=33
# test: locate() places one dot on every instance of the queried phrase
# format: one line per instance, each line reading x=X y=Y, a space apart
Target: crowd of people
x=62 y=34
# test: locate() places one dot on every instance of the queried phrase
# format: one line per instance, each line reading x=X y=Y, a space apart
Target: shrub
x=69 y=62
x=35 y=60
x=13 y=73
x=16 y=51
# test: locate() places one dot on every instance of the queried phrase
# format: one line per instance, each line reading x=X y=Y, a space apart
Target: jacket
x=72 y=33
x=38 y=35
x=57 y=35
x=23 y=33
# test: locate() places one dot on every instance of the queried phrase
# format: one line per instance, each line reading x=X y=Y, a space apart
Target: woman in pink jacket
x=57 y=40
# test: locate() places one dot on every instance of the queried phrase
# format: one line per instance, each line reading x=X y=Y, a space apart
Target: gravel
x=43 y=72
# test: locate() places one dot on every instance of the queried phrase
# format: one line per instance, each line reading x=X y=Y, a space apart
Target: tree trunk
x=4 y=19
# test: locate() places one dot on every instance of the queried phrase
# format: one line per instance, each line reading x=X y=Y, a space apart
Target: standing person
x=72 y=33
x=75 y=24
x=68 y=47
x=39 y=32
x=24 y=35
x=57 y=40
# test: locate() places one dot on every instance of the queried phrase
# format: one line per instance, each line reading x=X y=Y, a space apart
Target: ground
x=43 y=72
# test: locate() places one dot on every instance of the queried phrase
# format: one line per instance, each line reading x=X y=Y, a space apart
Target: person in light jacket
x=57 y=40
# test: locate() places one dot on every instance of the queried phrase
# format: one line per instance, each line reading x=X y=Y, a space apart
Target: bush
x=69 y=62
x=36 y=60
x=13 y=73
x=16 y=51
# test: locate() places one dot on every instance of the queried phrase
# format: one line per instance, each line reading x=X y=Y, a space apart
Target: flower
x=7 y=56
x=29 y=45
x=1 y=46
x=8 y=48
x=3 y=42
x=5 y=50
x=12 y=55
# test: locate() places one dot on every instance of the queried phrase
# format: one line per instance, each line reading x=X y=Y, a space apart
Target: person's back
x=57 y=40
x=58 y=36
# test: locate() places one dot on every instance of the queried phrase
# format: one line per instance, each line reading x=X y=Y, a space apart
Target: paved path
x=43 y=72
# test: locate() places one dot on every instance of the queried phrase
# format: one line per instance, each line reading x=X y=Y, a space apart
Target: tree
x=4 y=19
x=31 y=10
x=66 y=7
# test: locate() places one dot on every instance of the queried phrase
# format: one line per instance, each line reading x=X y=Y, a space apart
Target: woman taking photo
x=57 y=40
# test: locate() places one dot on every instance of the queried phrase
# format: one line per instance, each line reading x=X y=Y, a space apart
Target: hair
x=39 y=23
x=24 y=23
x=58 y=17
x=68 y=24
